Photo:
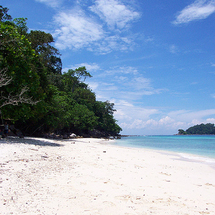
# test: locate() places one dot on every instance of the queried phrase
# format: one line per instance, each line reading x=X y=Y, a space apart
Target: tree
x=84 y=97
x=11 y=99
x=181 y=132
x=21 y=83
x=3 y=14
x=201 y=129
x=49 y=56
x=80 y=72
x=21 y=25
x=35 y=93
x=106 y=121
x=208 y=128
x=72 y=79
x=83 y=119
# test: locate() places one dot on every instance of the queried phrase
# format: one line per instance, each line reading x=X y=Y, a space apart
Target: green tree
x=17 y=60
x=83 y=119
x=4 y=15
x=73 y=79
x=21 y=25
x=49 y=56
x=84 y=96
x=181 y=132
x=31 y=71
x=201 y=129
x=106 y=121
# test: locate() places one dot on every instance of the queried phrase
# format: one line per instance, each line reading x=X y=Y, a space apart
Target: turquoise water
x=198 y=145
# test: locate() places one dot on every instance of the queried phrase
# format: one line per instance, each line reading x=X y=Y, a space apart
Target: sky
x=155 y=60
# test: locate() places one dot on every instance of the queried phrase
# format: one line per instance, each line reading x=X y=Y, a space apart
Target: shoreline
x=193 y=155
x=91 y=176
x=183 y=156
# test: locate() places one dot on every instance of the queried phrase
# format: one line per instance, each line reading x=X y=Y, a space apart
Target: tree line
x=37 y=96
x=199 y=129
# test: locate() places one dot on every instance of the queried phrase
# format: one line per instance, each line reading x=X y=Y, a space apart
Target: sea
x=190 y=147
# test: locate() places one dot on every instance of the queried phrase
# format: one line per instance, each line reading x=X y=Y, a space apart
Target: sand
x=92 y=176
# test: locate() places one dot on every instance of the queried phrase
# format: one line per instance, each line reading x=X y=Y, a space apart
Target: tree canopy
x=208 y=128
x=17 y=65
x=36 y=95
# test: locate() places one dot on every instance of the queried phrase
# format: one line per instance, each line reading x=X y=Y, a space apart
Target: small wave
x=197 y=158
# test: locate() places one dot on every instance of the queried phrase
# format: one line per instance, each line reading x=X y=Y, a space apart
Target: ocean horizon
x=192 y=147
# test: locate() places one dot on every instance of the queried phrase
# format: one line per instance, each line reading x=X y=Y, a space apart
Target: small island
x=202 y=129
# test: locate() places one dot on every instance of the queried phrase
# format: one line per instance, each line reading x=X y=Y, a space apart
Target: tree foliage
x=4 y=15
x=19 y=79
x=208 y=128
x=49 y=56
x=46 y=99
x=181 y=132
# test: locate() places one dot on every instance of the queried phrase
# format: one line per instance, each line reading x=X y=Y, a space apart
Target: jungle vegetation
x=36 y=95
x=199 y=129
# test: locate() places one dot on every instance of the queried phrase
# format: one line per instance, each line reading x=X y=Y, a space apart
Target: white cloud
x=139 y=86
x=121 y=78
x=200 y=9
x=194 y=117
x=126 y=90
x=166 y=120
x=75 y=30
x=131 y=114
x=140 y=83
x=51 y=3
x=200 y=121
x=129 y=83
x=194 y=83
x=114 y=13
x=122 y=69
x=112 y=43
x=141 y=121
x=89 y=66
x=94 y=86
x=211 y=120
x=165 y=123
x=173 y=49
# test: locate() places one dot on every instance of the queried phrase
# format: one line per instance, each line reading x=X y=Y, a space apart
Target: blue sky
x=154 y=59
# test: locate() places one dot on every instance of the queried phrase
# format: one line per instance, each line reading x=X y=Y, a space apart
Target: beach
x=94 y=177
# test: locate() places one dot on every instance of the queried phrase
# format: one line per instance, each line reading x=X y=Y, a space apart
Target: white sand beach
x=93 y=177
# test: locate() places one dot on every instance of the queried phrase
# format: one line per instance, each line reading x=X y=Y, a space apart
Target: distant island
x=202 y=129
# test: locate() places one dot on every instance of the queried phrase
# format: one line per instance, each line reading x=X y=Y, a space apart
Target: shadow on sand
x=31 y=141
